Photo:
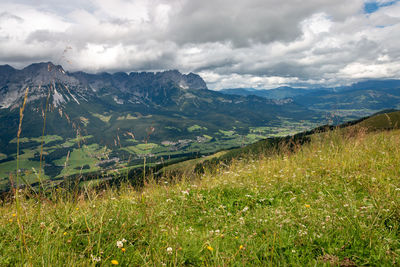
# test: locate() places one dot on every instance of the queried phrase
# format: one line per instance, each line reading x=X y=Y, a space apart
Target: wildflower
x=241 y=247
x=123 y=249
x=95 y=259
x=77 y=208
x=245 y=209
x=210 y=248
x=123 y=240
x=114 y=262
x=14 y=214
x=169 y=250
x=120 y=244
x=307 y=206
x=65 y=233
x=42 y=225
x=236 y=237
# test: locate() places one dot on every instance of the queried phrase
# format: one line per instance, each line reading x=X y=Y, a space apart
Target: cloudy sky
x=230 y=43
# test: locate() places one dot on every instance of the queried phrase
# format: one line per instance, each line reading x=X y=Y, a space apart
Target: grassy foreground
x=335 y=201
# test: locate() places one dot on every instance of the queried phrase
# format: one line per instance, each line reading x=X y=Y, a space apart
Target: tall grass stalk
x=42 y=143
x=17 y=200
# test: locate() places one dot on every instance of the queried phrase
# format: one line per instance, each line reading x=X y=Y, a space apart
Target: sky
x=231 y=44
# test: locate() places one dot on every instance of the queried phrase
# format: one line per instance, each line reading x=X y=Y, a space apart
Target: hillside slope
x=384 y=120
x=333 y=201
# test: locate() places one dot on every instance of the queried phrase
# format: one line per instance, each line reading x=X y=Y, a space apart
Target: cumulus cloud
x=253 y=43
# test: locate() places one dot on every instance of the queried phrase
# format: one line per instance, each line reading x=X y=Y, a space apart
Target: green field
x=46 y=139
x=196 y=127
x=82 y=160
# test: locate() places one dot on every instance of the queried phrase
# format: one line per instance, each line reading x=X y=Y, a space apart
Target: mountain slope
x=276 y=93
x=385 y=120
x=345 y=102
x=116 y=120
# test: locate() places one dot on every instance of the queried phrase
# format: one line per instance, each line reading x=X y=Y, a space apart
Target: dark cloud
x=252 y=43
x=250 y=21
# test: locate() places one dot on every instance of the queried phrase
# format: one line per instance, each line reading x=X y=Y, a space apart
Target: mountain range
x=78 y=123
x=348 y=102
x=95 y=122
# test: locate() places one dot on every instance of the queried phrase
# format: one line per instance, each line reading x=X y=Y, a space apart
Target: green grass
x=383 y=121
x=27 y=166
x=87 y=155
x=141 y=149
x=47 y=139
x=85 y=121
x=196 y=128
x=334 y=201
x=127 y=117
x=188 y=166
x=103 y=118
x=80 y=138
x=227 y=133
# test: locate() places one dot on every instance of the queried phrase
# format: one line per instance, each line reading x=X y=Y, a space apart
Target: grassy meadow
x=332 y=202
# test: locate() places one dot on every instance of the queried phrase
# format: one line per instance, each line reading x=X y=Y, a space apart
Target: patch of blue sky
x=373 y=6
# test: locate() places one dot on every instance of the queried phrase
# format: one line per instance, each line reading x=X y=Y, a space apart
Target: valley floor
x=334 y=201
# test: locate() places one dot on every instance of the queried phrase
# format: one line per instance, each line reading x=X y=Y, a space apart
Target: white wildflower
x=95 y=259
x=169 y=250
x=120 y=244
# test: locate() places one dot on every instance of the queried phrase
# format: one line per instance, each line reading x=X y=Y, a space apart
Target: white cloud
x=254 y=43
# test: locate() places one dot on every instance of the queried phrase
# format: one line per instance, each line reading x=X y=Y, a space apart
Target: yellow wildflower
x=65 y=233
x=123 y=249
x=210 y=248
x=241 y=247
x=114 y=262
x=307 y=206
x=14 y=214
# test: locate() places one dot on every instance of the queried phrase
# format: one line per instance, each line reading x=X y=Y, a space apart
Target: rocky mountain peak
x=39 y=76
x=45 y=73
